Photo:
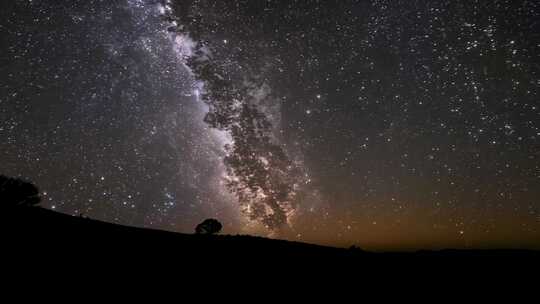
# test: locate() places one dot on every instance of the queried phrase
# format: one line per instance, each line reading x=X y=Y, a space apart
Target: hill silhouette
x=31 y=236
x=29 y=230
x=41 y=245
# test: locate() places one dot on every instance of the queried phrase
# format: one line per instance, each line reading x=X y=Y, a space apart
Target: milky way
x=385 y=124
x=260 y=174
x=104 y=111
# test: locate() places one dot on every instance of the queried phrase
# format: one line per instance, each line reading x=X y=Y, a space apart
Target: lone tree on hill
x=15 y=192
x=208 y=226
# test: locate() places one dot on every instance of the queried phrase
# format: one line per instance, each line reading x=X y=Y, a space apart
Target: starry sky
x=381 y=124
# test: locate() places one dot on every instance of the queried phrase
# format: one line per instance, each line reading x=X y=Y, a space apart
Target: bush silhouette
x=15 y=192
x=208 y=226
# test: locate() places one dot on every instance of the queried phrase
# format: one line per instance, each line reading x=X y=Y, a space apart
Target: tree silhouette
x=208 y=226
x=15 y=192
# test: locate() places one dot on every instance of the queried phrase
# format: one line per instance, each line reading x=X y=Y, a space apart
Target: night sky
x=381 y=124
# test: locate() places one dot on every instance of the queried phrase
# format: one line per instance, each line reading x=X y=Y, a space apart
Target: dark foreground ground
x=36 y=237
